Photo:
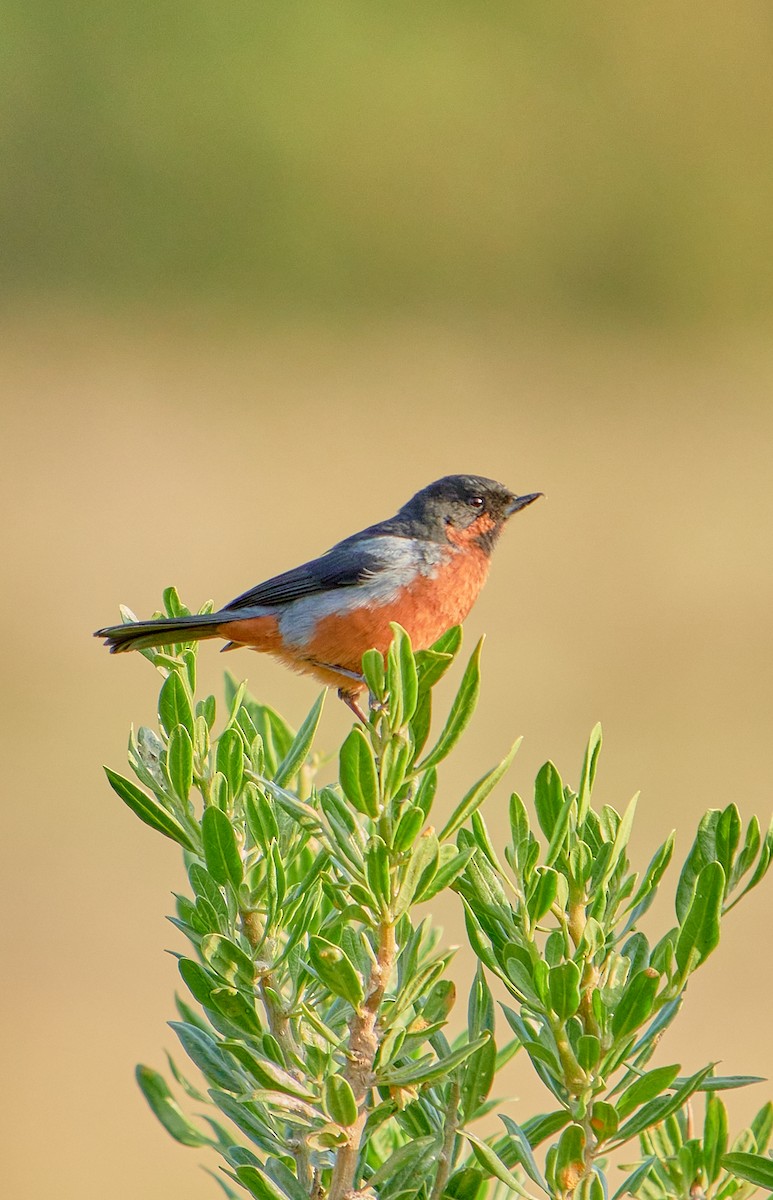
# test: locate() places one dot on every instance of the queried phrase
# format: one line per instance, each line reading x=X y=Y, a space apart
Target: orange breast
x=426 y=609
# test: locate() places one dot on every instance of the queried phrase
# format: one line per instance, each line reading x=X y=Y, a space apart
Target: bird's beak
x=519 y=502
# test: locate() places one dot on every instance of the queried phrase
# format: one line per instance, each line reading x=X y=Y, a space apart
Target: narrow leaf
x=148 y=809
x=340 y=1101
x=299 y=750
x=461 y=711
x=489 y=1159
x=523 y=1152
x=165 y=1107
x=699 y=932
x=754 y=1168
x=477 y=794
x=230 y=758
x=221 y=853
x=548 y=798
x=431 y=1072
x=179 y=761
x=358 y=772
x=336 y=970
x=174 y=705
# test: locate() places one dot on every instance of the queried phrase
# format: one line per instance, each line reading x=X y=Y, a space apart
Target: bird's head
x=465 y=510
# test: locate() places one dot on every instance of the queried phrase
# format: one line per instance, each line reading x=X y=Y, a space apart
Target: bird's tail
x=139 y=635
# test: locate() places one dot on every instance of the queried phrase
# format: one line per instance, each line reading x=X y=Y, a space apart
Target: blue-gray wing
x=348 y=564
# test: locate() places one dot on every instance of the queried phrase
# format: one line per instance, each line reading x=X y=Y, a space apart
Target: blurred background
x=269 y=269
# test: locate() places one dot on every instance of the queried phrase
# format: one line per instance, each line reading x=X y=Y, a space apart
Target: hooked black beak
x=519 y=502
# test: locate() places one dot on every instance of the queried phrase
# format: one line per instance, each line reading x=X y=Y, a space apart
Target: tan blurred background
x=267 y=271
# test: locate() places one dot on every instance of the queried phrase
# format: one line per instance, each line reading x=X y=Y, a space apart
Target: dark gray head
x=462 y=509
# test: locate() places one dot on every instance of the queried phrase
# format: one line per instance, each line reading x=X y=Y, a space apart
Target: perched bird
x=422 y=568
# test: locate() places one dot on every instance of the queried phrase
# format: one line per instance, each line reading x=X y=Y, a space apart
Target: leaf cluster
x=315 y=1003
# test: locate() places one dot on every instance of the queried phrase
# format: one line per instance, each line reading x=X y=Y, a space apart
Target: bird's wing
x=352 y=562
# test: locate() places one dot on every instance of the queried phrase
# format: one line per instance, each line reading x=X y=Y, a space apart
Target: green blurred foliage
x=602 y=158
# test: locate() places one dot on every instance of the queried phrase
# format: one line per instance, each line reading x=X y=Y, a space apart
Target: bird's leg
x=350 y=700
x=347 y=695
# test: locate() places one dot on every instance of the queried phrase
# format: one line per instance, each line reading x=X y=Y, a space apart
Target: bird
x=422 y=568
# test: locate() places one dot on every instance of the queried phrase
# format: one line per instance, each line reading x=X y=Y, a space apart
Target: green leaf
x=446 y=874
x=377 y=869
x=477 y=794
x=754 y=1168
x=207 y=708
x=419 y=872
x=336 y=971
x=522 y=1149
x=645 y=893
x=421 y=722
x=358 y=773
x=205 y=886
x=286 y=1180
x=548 y=799
x=538 y=1129
x=630 y=1186
x=259 y=1184
x=230 y=758
x=462 y=709
x=620 y=842
x=604 y=1120
x=374 y=673
x=424 y=1071
x=299 y=750
x=478 y=1072
x=432 y=664
x=561 y=828
x=727 y=1083
x=267 y=1073
x=179 y=762
x=173 y=605
x=239 y=1011
x=543 y=893
x=425 y=793
x=636 y=1003
x=165 y=1107
x=519 y=821
x=660 y=1108
x=200 y=982
x=591 y=1186
x=149 y=810
x=406 y=1158
x=588 y=1051
x=260 y=817
x=646 y=1088
x=468 y=1183
x=762 y=1126
x=402 y=679
x=492 y=1163
x=570 y=1157
x=228 y=960
x=408 y=828
x=699 y=932
x=590 y=763
x=714 y=1137
x=727 y=837
x=763 y=864
x=205 y=1053
x=564 y=989
x=340 y=1101
x=174 y=705
x=221 y=853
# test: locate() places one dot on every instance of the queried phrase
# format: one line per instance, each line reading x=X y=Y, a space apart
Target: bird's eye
x=476 y=502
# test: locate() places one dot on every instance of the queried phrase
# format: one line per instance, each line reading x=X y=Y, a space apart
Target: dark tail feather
x=140 y=635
